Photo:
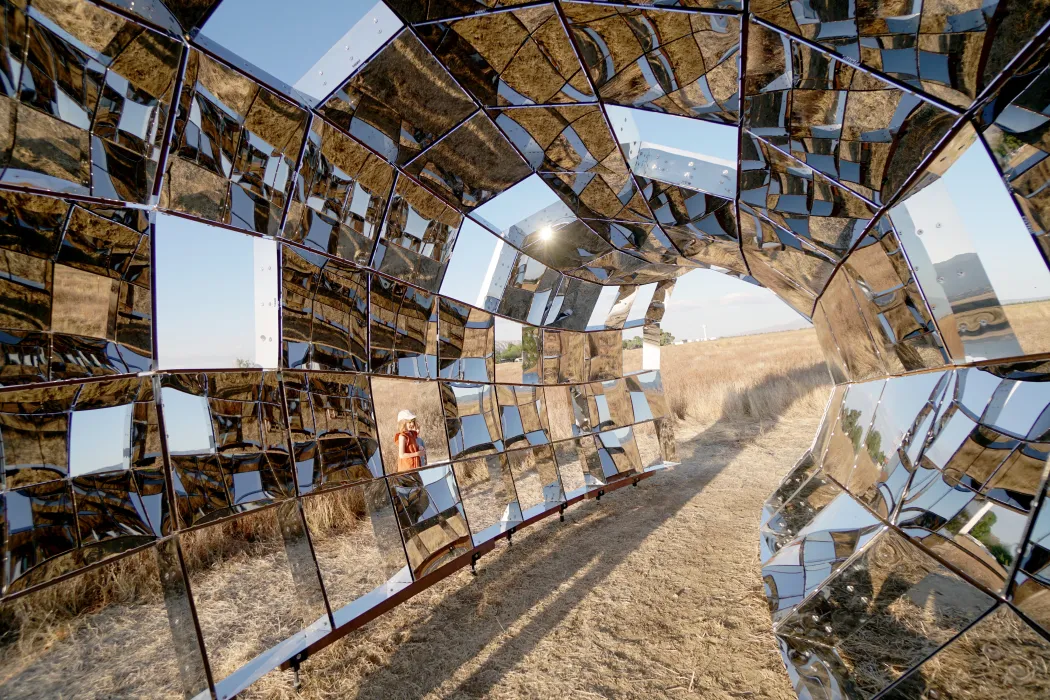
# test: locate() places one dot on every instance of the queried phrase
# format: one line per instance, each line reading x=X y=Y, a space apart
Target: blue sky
x=286 y=39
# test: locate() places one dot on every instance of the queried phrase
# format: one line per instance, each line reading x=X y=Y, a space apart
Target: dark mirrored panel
x=403 y=329
x=234 y=149
x=466 y=342
x=840 y=121
x=950 y=51
x=430 y=515
x=579 y=467
x=510 y=58
x=86 y=100
x=324 y=313
x=227 y=441
x=340 y=194
x=618 y=453
x=471 y=165
x=418 y=236
x=523 y=415
x=83 y=477
x=334 y=436
x=400 y=102
x=665 y=61
x=816 y=551
x=75 y=298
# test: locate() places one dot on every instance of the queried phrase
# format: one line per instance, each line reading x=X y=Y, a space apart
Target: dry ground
x=653 y=592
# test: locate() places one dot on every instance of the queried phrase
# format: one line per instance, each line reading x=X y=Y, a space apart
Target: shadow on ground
x=549 y=569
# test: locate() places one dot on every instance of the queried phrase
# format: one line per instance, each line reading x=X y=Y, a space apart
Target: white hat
x=405 y=414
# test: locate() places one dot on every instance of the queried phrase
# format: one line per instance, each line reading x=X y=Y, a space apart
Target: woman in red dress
x=409 y=454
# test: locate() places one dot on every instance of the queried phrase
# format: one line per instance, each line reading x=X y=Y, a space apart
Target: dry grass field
x=653 y=592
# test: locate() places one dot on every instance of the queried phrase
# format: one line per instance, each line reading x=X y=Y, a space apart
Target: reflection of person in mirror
x=411 y=454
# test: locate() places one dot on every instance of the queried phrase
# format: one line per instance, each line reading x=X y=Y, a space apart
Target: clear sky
x=283 y=37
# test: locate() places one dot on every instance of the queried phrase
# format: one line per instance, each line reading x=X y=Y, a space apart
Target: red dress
x=405 y=464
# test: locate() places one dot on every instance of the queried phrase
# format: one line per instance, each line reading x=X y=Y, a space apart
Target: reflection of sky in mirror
x=212 y=306
x=291 y=39
x=977 y=215
x=689 y=152
x=187 y=423
x=100 y=440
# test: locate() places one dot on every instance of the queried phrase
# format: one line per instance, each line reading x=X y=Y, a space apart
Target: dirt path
x=653 y=592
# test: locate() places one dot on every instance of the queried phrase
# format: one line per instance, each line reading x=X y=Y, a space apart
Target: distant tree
x=247 y=364
x=873 y=443
x=633 y=343
x=509 y=354
x=666 y=338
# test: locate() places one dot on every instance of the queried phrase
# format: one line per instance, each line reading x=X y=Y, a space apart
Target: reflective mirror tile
x=401 y=85
x=98 y=89
x=685 y=64
x=357 y=545
x=239 y=571
x=466 y=342
x=1030 y=590
x=423 y=400
x=471 y=419
x=1000 y=655
x=579 y=466
x=334 y=435
x=233 y=291
x=536 y=479
x=234 y=149
x=339 y=196
x=324 y=313
x=430 y=515
x=950 y=52
x=125 y=642
x=985 y=306
x=402 y=333
x=618 y=453
x=75 y=301
x=486 y=487
x=885 y=612
x=978 y=535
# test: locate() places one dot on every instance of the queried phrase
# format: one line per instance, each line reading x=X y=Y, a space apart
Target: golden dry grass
x=654 y=592
x=742 y=378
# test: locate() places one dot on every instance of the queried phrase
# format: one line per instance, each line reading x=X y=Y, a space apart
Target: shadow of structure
x=551 y=565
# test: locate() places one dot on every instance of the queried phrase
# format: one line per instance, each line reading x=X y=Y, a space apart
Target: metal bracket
x=474 y=563
x=561 y=514
x=601 y=492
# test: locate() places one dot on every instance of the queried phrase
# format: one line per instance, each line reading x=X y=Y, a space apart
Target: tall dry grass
x=749 y=378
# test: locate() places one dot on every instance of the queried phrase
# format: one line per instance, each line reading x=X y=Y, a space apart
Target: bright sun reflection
x=545 y=233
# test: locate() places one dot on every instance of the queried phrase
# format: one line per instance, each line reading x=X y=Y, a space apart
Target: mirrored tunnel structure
x=463 y=209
